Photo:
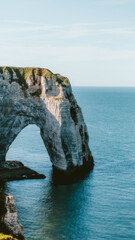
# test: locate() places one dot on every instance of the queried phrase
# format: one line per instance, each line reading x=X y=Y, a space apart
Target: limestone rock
x=8 y=218
x=11 y=218
x=37 y=96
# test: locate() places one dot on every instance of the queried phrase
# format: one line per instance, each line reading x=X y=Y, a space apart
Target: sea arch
x=37 y=96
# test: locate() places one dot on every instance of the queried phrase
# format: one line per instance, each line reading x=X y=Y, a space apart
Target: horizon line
x=102 y=86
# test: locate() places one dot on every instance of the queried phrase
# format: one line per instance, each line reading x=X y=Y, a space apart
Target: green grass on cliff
x=22 y=74
x=6 y=237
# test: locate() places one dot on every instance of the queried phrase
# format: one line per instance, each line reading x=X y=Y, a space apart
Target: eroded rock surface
x=37 y=96
x=8 y=217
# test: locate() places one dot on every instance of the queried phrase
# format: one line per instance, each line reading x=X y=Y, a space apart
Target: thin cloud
x=65 y=54
x=67 y=25
x=18 y=22
x=29 y=30
x=61 y=32
x=116 y=2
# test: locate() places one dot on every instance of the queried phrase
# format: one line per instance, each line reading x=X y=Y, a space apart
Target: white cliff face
x=47 y=101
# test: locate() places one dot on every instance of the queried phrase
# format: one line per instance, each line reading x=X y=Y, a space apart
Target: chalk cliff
x=37 y=96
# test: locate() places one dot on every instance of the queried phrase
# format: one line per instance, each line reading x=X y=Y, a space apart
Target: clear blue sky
x=92 y=42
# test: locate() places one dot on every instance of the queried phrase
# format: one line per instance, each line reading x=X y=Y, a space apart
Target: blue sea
x=101 y=206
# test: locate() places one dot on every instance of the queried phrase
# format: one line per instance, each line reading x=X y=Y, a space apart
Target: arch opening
x=28 y=147
x=26 y=150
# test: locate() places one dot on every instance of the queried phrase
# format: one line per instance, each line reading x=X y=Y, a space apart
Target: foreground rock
x=13 y=170
x=8 y=218
x=37 y=96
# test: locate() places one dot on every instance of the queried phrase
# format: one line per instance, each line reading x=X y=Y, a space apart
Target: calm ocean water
x=102 y=206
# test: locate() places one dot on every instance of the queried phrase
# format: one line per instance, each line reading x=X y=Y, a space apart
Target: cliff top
x=24 y=73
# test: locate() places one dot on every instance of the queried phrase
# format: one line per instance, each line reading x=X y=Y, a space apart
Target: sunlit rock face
x=37 y=96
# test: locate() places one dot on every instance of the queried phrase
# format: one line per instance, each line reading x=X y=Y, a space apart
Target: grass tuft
x=6 y=237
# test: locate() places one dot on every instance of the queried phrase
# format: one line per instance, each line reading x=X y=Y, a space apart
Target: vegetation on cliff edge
x=6 y=237
x=21 y=75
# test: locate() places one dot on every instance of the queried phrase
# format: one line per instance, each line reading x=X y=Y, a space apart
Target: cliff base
x=73 y=174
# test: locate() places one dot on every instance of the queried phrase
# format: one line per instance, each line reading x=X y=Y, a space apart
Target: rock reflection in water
x=61 y=208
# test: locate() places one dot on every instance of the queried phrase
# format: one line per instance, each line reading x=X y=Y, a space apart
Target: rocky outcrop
x=14 y=170
x=37 y=96
x=8 y=217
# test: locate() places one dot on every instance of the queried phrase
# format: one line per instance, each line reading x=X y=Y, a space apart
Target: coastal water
x=102 y=206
